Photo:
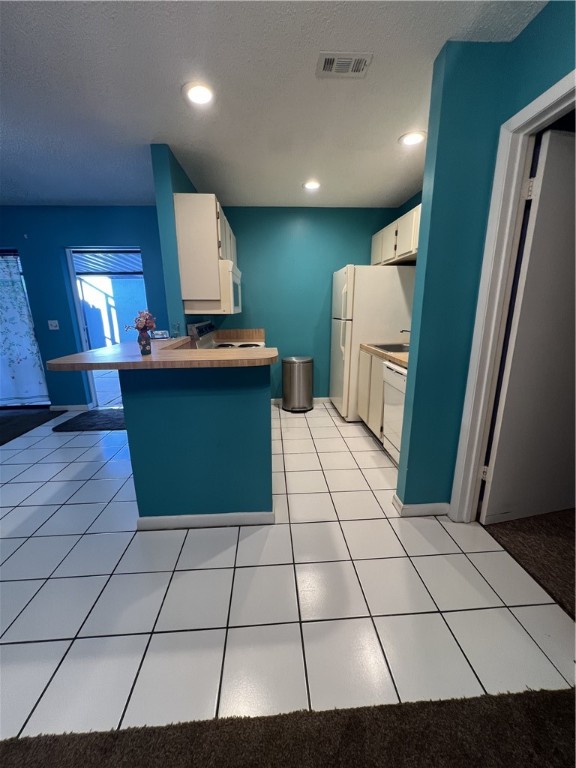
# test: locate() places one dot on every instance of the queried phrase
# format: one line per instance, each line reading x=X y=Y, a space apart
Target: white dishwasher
x=394 y=394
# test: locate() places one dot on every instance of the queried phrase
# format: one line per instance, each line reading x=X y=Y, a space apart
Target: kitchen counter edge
x=166 y=353
x=398 y=358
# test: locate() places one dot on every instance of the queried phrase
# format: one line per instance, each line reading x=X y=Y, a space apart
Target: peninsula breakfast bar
x=199 y=430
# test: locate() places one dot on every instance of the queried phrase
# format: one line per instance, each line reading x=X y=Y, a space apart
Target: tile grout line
x=52 y=676
x=440 y=612
x=386 y=662
x=151 y=633
x=503 y=549
x=448 y=625
x=508 y=608
x=227 y=629
x=432 y=598
x=241 y=567
x=265 y=623
x=436 y=612
x=294 y=573
x=570 y=683
x=47 y=578
x=378 y=638
x=461 y=550
x=300 y=623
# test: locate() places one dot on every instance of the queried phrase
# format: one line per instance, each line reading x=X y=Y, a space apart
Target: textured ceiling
x=87 y=86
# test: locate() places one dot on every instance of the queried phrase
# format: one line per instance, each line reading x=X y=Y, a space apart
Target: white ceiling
x=86 y=87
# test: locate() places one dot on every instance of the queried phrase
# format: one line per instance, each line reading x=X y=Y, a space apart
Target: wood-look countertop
x=166 y=353
x=398 y=358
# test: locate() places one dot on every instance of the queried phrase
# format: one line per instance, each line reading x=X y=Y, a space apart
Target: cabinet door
x=376 y=253
x=231 y=246
x=364 y=366
x=388 y=243
x=408 y=228
x=197 y=234
x=376 y=397
x=394 y=395
x=223 y=234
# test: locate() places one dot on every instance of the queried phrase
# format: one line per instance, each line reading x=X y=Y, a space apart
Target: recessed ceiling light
x=415 y=137
x=197 y=94
x=311 y=185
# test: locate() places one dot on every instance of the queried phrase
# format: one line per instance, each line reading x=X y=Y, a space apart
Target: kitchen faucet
x=404 y=331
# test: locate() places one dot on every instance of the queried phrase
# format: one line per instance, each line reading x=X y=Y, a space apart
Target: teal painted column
x=169 y=177
x=200 y=439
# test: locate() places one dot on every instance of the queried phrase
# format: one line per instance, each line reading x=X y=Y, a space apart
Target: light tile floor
x=107 y=387
x=340 y=604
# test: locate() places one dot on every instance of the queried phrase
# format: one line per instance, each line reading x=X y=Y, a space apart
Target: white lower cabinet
x=381 y=394
x=394 y=381
x=370 y=391
x=364 y=369
x=376 y=403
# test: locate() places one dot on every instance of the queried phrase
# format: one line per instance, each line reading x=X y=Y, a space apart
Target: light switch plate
x=53 y=325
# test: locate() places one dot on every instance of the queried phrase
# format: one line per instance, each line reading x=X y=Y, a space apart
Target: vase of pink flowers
x=144 y=322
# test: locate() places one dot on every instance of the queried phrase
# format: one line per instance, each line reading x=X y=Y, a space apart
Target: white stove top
x=238 y=343
x=203 y=335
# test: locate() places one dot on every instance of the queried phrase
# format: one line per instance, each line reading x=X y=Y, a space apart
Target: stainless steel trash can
x=297 y=384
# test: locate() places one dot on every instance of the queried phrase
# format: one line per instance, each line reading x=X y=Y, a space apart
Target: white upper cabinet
x=376 y=253
x=204 y=239
x=398 y=241
x=383 y=243
x=407 y=231
x=198 y=232
x=226 y=237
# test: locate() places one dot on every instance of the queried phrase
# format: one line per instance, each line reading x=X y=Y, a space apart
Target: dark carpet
x=533 y=729
x=92 y=421
x=16 y=421
x=544 y=546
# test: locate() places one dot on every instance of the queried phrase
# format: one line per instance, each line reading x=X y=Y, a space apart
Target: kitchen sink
x=392 y=347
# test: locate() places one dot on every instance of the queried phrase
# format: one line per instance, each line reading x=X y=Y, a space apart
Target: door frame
x=82 y=330
x=498 y=262
x=81 y=323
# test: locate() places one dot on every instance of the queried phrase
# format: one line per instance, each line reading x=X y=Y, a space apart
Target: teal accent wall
x=287 y=257
x=408 y=205
x=199 y=439
x=41 y=235
x=169 y=178
x=476 y=87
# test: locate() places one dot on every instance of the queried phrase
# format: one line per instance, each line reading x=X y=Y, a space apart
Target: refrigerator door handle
x=343 y=314
x=342 y=329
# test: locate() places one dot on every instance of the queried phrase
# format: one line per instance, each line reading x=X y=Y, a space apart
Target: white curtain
x=22 y=380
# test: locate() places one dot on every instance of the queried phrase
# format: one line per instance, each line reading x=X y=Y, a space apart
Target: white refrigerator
x=369 y=305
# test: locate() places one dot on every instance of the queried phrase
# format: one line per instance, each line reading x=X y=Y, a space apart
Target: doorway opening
x=109 y=290
x=515 y=183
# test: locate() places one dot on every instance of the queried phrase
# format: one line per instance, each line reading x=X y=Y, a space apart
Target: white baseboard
x=71 y=407
x=169 y=522
x=420 y=510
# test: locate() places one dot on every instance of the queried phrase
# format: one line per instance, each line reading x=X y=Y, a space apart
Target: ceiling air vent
x=343 y=64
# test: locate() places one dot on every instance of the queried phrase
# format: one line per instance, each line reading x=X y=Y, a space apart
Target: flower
x=144 y=321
